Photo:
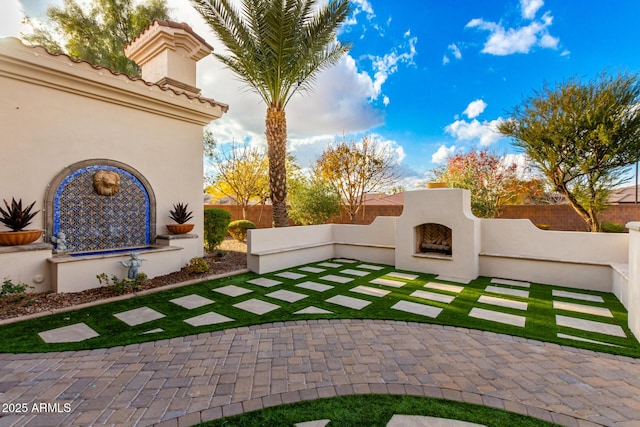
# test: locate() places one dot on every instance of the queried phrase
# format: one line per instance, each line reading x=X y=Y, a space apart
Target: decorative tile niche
x=95 y=217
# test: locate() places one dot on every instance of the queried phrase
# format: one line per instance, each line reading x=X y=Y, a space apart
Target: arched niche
x=94 y=219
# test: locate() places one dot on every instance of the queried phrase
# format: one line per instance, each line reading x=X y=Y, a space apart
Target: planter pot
x=436 y=185
x=180 y=228
x=17 y=238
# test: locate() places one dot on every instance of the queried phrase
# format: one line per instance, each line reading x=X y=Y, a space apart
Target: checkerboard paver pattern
x=392 y=357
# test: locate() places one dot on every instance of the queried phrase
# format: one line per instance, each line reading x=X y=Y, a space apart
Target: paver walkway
x=183 y=381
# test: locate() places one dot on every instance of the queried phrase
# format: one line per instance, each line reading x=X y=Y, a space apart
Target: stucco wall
x=55 y=112
x=634 y=277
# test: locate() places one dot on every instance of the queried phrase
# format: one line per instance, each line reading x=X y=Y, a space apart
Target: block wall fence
x=557 y=217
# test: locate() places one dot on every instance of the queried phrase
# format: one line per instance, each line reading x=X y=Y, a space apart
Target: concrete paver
x=511 y=282
x=401 y=275
x=336 y=279
x=367 y=290
x=590 y=325
x=314 y=286
x=576 y=295
x=312 y=269
x=507 y=291
x=581 y=308
x=232 y=290
x=497 y=316
x=291 y=275
x=502 y=302
x=139 y=316
x=288 y=296
x=444 y=287
x=192 y=301
x=256 y=306
x=388 y=282
x=72 y=333
x=349 y=302
x=264 y=282
x=332 y=357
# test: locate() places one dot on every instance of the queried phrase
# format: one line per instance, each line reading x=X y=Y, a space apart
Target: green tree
x=277 y=47
x=356 y=168
x=240 y=173
x=491 y=182
x=97 y=35
x=313 y=202
x=581 y=136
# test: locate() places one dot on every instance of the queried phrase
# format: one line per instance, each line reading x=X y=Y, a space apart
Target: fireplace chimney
x=167 y=53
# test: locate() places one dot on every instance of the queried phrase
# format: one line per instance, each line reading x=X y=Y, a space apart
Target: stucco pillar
x=634 y=277
x=167 y=53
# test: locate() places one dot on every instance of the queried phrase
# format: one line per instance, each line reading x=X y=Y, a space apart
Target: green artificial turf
x=373 y=411
x=540 y=325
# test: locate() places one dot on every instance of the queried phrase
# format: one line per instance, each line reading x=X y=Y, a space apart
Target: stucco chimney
x=167 y=53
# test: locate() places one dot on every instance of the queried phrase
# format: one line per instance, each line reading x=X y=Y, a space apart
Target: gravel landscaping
x=233 y=259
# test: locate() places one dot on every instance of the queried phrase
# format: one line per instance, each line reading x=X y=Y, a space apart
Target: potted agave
x=17 y=218
x=180 y=215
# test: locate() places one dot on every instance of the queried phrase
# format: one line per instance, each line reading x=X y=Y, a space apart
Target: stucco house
x=64 y=121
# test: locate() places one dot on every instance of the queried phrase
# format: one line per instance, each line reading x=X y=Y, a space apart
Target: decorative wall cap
x=635 y=226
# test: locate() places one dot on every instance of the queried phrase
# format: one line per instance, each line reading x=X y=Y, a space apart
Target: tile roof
x=172 y=24
x=202 y=99
x=624 y=195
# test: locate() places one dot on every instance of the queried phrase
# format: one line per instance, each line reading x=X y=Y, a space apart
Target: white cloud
x=455 y=51
x=530 y=8
x=443 y=154
x=445 y=60
x=485 y=133
x=475 y=108
x=522 y=162
x=387 y=64
x=10 y=18
x=361 y=6
x=504 y=41
x=548 y=41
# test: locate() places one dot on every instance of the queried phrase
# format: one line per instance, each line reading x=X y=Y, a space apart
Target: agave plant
x=180 y=214
x=15 y=217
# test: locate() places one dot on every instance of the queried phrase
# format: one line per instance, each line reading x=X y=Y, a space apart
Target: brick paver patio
x=183 y=381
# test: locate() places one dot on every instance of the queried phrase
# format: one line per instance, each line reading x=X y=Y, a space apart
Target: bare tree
x=356 y=168
x=241 y=173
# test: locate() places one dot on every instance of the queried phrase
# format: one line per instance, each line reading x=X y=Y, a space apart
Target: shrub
x=216 y=223
x=313 y=202
x=197 y=265
x=238 y=229
x=121 y=286
x=612 y=227
x=16 y=289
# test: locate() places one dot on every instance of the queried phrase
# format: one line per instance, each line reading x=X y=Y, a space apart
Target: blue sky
x=427 y=77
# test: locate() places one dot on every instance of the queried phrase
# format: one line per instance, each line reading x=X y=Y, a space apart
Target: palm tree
x=277 y=47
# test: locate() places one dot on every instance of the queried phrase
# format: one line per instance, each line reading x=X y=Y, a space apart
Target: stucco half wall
x=510 y=249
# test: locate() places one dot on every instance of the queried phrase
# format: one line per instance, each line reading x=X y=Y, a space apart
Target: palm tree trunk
x=277 y=151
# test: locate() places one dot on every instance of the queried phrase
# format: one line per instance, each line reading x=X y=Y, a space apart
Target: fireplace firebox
x=433 y=239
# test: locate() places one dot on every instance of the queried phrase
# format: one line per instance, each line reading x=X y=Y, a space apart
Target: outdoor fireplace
x=438 y=234
x=433 y=239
